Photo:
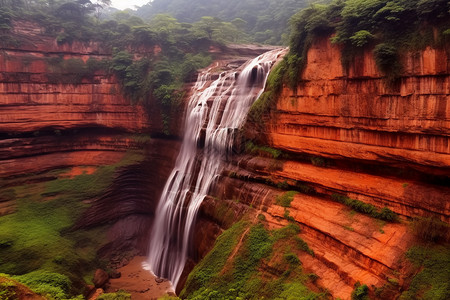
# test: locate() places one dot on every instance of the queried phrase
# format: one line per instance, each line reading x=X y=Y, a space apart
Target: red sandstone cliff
x=350 y=133
x=30 y=100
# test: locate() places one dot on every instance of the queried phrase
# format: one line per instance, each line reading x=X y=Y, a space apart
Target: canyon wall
x=348 y=133
x=36 y=101
x=52 y=119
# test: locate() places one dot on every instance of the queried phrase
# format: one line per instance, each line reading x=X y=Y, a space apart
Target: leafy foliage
x=264 y=21
x=170 y=52
x=361 y=292
x=389 y=25
x=433 y=266
x=286 y=198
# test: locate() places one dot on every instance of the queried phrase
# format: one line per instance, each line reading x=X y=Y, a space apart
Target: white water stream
x=215 y=111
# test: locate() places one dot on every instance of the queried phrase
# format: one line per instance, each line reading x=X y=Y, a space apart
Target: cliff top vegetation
x=388 y=26
x=264 y=21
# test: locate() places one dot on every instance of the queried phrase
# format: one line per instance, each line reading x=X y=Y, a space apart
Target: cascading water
x=214 y=113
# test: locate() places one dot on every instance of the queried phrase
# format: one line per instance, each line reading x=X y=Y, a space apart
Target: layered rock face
x=44 y=116
x=350 y=133
x=34 y=95
x=53 y=119
x=360 y=116
x=360 y=119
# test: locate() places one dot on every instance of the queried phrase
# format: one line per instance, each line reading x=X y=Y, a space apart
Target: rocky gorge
x=339 y=135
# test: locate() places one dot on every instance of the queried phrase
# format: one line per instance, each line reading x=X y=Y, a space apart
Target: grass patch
x=120 y=295
x=286 y=198
x=215 y=260
x=365 y=208
x=37 y=240
x=432 y=282
x=219 y=276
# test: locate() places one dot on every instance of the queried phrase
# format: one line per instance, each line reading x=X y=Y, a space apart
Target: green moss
x=239 y=276
x=296 y=290
x=433 y=264
x=37 y=240
x=215 y=260
x=273 y=87
x=365 y=208
x=292 y=259
x=286 y=198
x=349 y=228
x=50 y=285
x=120 y=295
x=265 y=151
x=302 y=245
x=319 y=161
x=289 y=231
x=7 y=288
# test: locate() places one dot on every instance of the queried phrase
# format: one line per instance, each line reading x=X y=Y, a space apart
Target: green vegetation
x=120 y=295
x=264 y=151
x=318 y=161
x=228 y=274
x=432 y=263
x=388 y=26
x=72 y=70
x=292 y=259
x=302 y=245
x=211 y=265
x=170 y=52
x=7 y=288
x=349 y=228
x=286 y=198
x=361 y=292
x=431 y=230
x=38 y=243
x=264 y=21
x=49 y=285
x=365 y=208
x=274 y=84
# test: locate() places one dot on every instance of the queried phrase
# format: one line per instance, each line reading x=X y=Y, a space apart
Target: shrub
x=286 y=198
x=292 y=259
x=361 y=38
x=366 y=208
x=431 y=229
x=264 y=151
x=432 y=272
x=387 y=60
x=361 y=292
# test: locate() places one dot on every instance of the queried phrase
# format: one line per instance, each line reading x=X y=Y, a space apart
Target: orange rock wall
x=350 y=133
x=360 y=117
x=30 y=101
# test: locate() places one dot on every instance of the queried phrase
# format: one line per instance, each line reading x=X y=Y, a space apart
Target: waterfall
x=216 y=109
